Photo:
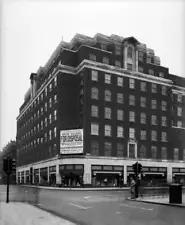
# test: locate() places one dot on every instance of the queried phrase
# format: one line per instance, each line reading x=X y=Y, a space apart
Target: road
x=101 y=207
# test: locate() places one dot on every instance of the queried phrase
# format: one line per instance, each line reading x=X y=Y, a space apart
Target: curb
x=157 y=203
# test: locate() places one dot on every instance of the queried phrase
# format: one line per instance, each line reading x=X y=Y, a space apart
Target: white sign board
x=71 y=141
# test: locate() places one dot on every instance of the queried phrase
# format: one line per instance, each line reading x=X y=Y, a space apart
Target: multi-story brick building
x=99 y=105
x=10 y=150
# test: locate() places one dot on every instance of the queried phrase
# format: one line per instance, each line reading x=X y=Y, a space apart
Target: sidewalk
x=24 y=214
x=159 y=200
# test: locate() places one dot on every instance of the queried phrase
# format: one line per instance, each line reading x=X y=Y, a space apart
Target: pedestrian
x=132 y=187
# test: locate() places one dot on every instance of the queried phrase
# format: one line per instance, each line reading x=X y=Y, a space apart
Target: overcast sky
x=31 y=30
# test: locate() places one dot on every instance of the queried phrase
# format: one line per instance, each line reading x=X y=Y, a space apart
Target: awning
x=154 y=173
x=178 y=173
x=112 y=172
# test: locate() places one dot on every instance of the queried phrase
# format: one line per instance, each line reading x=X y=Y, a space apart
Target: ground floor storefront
x=98 y=172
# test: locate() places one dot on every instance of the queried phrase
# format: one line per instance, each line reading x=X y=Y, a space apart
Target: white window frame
x=120 y=98
x=143 y=118
x=120 y=132
x=132 y=133
x=120 y=81
x=94 y=93
x=107 y=113
x=94 y=111
x=179 y=111
x=94 y=75
x=94 y=129
x=132 y=116
x=132 y=83
x=107 y=78
x=120 y=115
x=143 y=135
x=107 y=130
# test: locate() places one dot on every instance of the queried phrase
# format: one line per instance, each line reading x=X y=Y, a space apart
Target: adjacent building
x=10 y=150
x=99 y=105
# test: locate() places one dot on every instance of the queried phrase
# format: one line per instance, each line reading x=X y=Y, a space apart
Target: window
x=131 y=100
x=120 y=114
x=41 y=97
x=132 y=116
x=107 y=95
x=46 y=122
x=120 y=81
x=143 y=118
x=154 y=120
x=142 y=151
x=94 y=75
x=143 y=102
x=129 y=52
x=94 y=111
x=50 y=102
x=120 y=132
x=143 y=135
x=120 y=98
x=179 y=123
x=154 y=88
x=46 y=106
x=140 y=56
x=46 y=91
x=164 y=153
x=164 y=121
x=41 y=111
x=179 y=111
x=154 y=135
x=118 y=50
x=131 y=133
x=151 y=72
x=55 y=131
x=38 y=127
x=107 y=78
x=38 y=114
x=94 y=129
x=153 y=152
x=161 y=74
x=50 y=87
x=140 y=69
x=105 y=60
x=107 y=113
x=164 y=136
x=45 y=137
x=154 y=104
x=94 y=148
x=163 y=105
x=131 y=83
x=176 y=154
x=107 y=131
x=94 y=93
x=148 y=59
x=55 y=81
x=55 y=114
x=92 y=57
x=49 y=134
x=55 y=98
x=107 y=148
x=183 y=154
x=117 y=63
x=143 y=86
x=50 y=118
x=41 y=124
x=104 y=47
x=120 y=150
x=163 y=90
x=179 y=98
x=129 y=66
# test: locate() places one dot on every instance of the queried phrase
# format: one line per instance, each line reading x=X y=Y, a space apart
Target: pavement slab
x=25 y=214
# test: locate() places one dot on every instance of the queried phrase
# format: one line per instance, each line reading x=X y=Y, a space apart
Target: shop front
x=27 y=177
x=44 y=176
x=36 y=176
x=110 y=176
x=150 y=176
x=178 y=175
x=72 y=175
x=22 y=177
x=52 y=175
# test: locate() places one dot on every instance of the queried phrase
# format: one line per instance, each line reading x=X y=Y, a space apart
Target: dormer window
x=129 y=53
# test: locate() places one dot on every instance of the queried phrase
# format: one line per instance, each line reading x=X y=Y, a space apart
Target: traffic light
x=137 y=168
x=140 y=167
x=7 y=165
x=13 y=164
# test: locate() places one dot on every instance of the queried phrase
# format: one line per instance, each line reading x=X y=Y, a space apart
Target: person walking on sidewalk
x=132 y=187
